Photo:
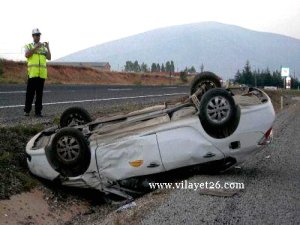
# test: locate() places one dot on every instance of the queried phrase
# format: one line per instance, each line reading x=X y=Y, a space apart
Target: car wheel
x=217 y=109
x=70 y=152
x=205 y=80
x=74 y=116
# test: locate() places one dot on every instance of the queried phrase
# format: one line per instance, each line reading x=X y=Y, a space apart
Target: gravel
x=271 y=179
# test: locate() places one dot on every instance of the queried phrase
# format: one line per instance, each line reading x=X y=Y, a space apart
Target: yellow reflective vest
x=37 y=65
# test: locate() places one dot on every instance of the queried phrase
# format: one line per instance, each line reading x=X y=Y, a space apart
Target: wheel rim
x=75 y=119
x=218 y=109
x=68 y=148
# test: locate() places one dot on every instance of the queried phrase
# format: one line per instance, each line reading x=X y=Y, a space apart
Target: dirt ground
x=33 y=208
x=15 y=72
x=276 y=99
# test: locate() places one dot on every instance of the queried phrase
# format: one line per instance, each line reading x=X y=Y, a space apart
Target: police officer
x=36 y=53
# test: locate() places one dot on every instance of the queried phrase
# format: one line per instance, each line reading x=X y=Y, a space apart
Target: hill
x=221 y=48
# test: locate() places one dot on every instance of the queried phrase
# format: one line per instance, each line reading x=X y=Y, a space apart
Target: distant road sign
x=285 y=71
x=288 y=82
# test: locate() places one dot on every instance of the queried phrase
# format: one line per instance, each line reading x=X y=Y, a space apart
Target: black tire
x=210 y=80
x=217 y=109
x=69 y=152
x=75 y=116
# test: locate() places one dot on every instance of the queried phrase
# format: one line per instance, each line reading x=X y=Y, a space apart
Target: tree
x=268 y=80
x=258 y=80
x=238 y=77
x=261 y=77
x=247 y=74
x=275 y=76
x=168 y=66
x=277 y=79
x=129 y=66
x=136 y=66
x=172 y=67
x=202 y=68
x=153 y=68
x=163 y=69
x=192 y=70
x=295 y=83
x=144 y=68
x=157 y=67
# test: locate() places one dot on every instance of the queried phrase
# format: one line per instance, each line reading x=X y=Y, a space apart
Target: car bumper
x=37 y=161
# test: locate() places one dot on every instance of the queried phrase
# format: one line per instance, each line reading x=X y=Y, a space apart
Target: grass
x=26 y=181
x=14 y=174
x=54 y=82
x=56 y=120
x=137 y=83
x=4 y=80
x=292 y=92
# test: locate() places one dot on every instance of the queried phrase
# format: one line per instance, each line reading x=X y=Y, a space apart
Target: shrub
x=183 y=76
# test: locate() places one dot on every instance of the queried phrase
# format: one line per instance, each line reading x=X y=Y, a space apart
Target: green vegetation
x=14 y=174
x=4 y=80
x=183 y=76
x=262 y=78
x=56 y=120
x=137 y=83
x=190 y=69
x=134 y=66
x=294 y=92
x=155 y=67
x=170 y=67
x=167 y=67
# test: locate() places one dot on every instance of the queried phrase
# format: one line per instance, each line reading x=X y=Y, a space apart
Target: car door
x=185 y=146
x=130 y=157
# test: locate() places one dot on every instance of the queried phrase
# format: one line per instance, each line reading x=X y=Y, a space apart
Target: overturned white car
x=211 y=127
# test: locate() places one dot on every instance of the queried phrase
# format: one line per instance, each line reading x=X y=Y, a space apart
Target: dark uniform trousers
x=35 y=86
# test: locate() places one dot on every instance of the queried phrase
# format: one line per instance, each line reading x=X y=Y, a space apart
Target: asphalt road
x=271 y=180
x=93 y=97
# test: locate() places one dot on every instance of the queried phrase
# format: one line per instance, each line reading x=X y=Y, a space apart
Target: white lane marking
x=297 y=98
x=16 y=92
x=97 y=100
x=119 y=89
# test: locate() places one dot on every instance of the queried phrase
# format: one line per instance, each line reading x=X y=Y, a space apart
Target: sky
x=73 y=25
